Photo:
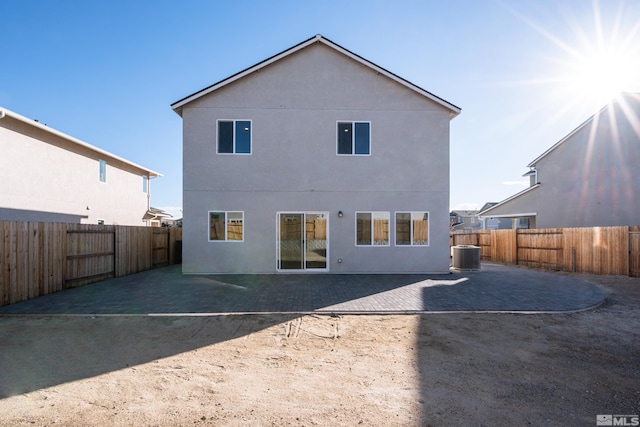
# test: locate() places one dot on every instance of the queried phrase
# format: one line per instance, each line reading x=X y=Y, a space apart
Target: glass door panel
x=316 y=240
x=291 y=243
x=302 y=241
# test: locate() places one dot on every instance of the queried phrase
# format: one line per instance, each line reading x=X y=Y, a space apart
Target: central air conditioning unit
x=466 y=257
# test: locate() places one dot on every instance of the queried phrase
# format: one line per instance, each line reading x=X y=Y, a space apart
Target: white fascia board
x=177 y=106
x=8 y=113
x=483 y=214
x=514 y=215
x=454 y=109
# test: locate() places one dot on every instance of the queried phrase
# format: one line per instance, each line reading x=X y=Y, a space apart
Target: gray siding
x=591 y=178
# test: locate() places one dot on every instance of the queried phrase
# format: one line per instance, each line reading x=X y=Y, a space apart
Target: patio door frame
x=304 y=243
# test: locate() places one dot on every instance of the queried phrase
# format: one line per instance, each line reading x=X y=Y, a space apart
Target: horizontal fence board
x=595 y=250
x=39 y=258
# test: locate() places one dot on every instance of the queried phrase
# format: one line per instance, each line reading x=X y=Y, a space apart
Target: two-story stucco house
x=315 y=160
x=588 y=179
x=46 y=175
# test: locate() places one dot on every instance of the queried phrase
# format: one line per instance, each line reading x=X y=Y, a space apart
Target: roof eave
x=8 y=113
x=617 y=99
x=526 y=190
x=318 y=38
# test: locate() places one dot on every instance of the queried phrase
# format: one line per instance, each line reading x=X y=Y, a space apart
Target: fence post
x=516 y=258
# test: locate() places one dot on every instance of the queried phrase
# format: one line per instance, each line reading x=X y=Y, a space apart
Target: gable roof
x=177 y=106
x=622 y=98
x=4 y=113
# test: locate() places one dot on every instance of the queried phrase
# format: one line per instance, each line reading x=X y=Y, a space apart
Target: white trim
x=454 y=111
x=513 y=215
x=8 y=113
x=526 y=190
x=372 y=245
x=411 y=245
x=226 y=239
x=234 y=137
x=304 y=248
x=353 y=137
x=229 y=80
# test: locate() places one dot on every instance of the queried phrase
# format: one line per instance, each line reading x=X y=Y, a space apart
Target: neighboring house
x=492 y=223
x=589 y=178
x=46 y=175
x=157 y=217
x=315 y=160
x=464 y=220
x=470 y=220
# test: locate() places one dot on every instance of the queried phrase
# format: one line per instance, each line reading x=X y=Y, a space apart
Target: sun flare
x=590 y=62
x=603 y=74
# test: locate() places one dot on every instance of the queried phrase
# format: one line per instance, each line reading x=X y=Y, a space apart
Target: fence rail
x=38 y=258
x=596 y=250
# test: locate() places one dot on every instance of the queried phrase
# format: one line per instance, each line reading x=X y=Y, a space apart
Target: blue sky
x=523 y=72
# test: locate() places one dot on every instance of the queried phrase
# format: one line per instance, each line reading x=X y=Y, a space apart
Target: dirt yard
x=275 y=370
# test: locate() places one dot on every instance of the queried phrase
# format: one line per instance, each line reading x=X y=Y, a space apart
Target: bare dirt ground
x=275 y=370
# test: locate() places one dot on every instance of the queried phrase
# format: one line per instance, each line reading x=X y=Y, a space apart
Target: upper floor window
x=234 y=136
x=103 y=171
x=145 y=184
x=226 y=226
x=412 y=228
x=372 y=228
x=354 y=138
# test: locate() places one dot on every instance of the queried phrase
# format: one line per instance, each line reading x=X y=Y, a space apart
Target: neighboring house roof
x=497 y=205
x=177 y=106
x=576 y=130
x=37 y=125
x=487 y=211
x=464 y=212
x=487 y=206
x=156 y=214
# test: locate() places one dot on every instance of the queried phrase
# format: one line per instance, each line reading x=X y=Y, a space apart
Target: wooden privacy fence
x=596 y=250
x=315 y=229
x=38 y=258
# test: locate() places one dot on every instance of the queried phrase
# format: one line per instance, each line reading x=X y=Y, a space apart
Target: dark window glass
x=362 y=138
x=225 y=137
x=216 y=226
x=345 y=138
x=363 y=228
x=403 y=228
x=243 y=137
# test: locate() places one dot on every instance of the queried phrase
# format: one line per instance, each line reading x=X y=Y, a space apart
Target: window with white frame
x=372 y=228
x=234 y=137
x=412 y=228
x=226 y=226
x=354 y=138
x=103 y=170
x=145 y=184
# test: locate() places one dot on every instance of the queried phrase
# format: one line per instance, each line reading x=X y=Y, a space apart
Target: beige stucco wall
x=294 y=105
x=58 y=180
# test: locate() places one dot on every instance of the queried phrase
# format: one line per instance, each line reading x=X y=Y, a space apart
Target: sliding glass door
x=302 y=241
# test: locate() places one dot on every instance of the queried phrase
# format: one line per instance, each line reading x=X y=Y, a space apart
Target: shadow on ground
x=40 y=352
x=98 y=333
